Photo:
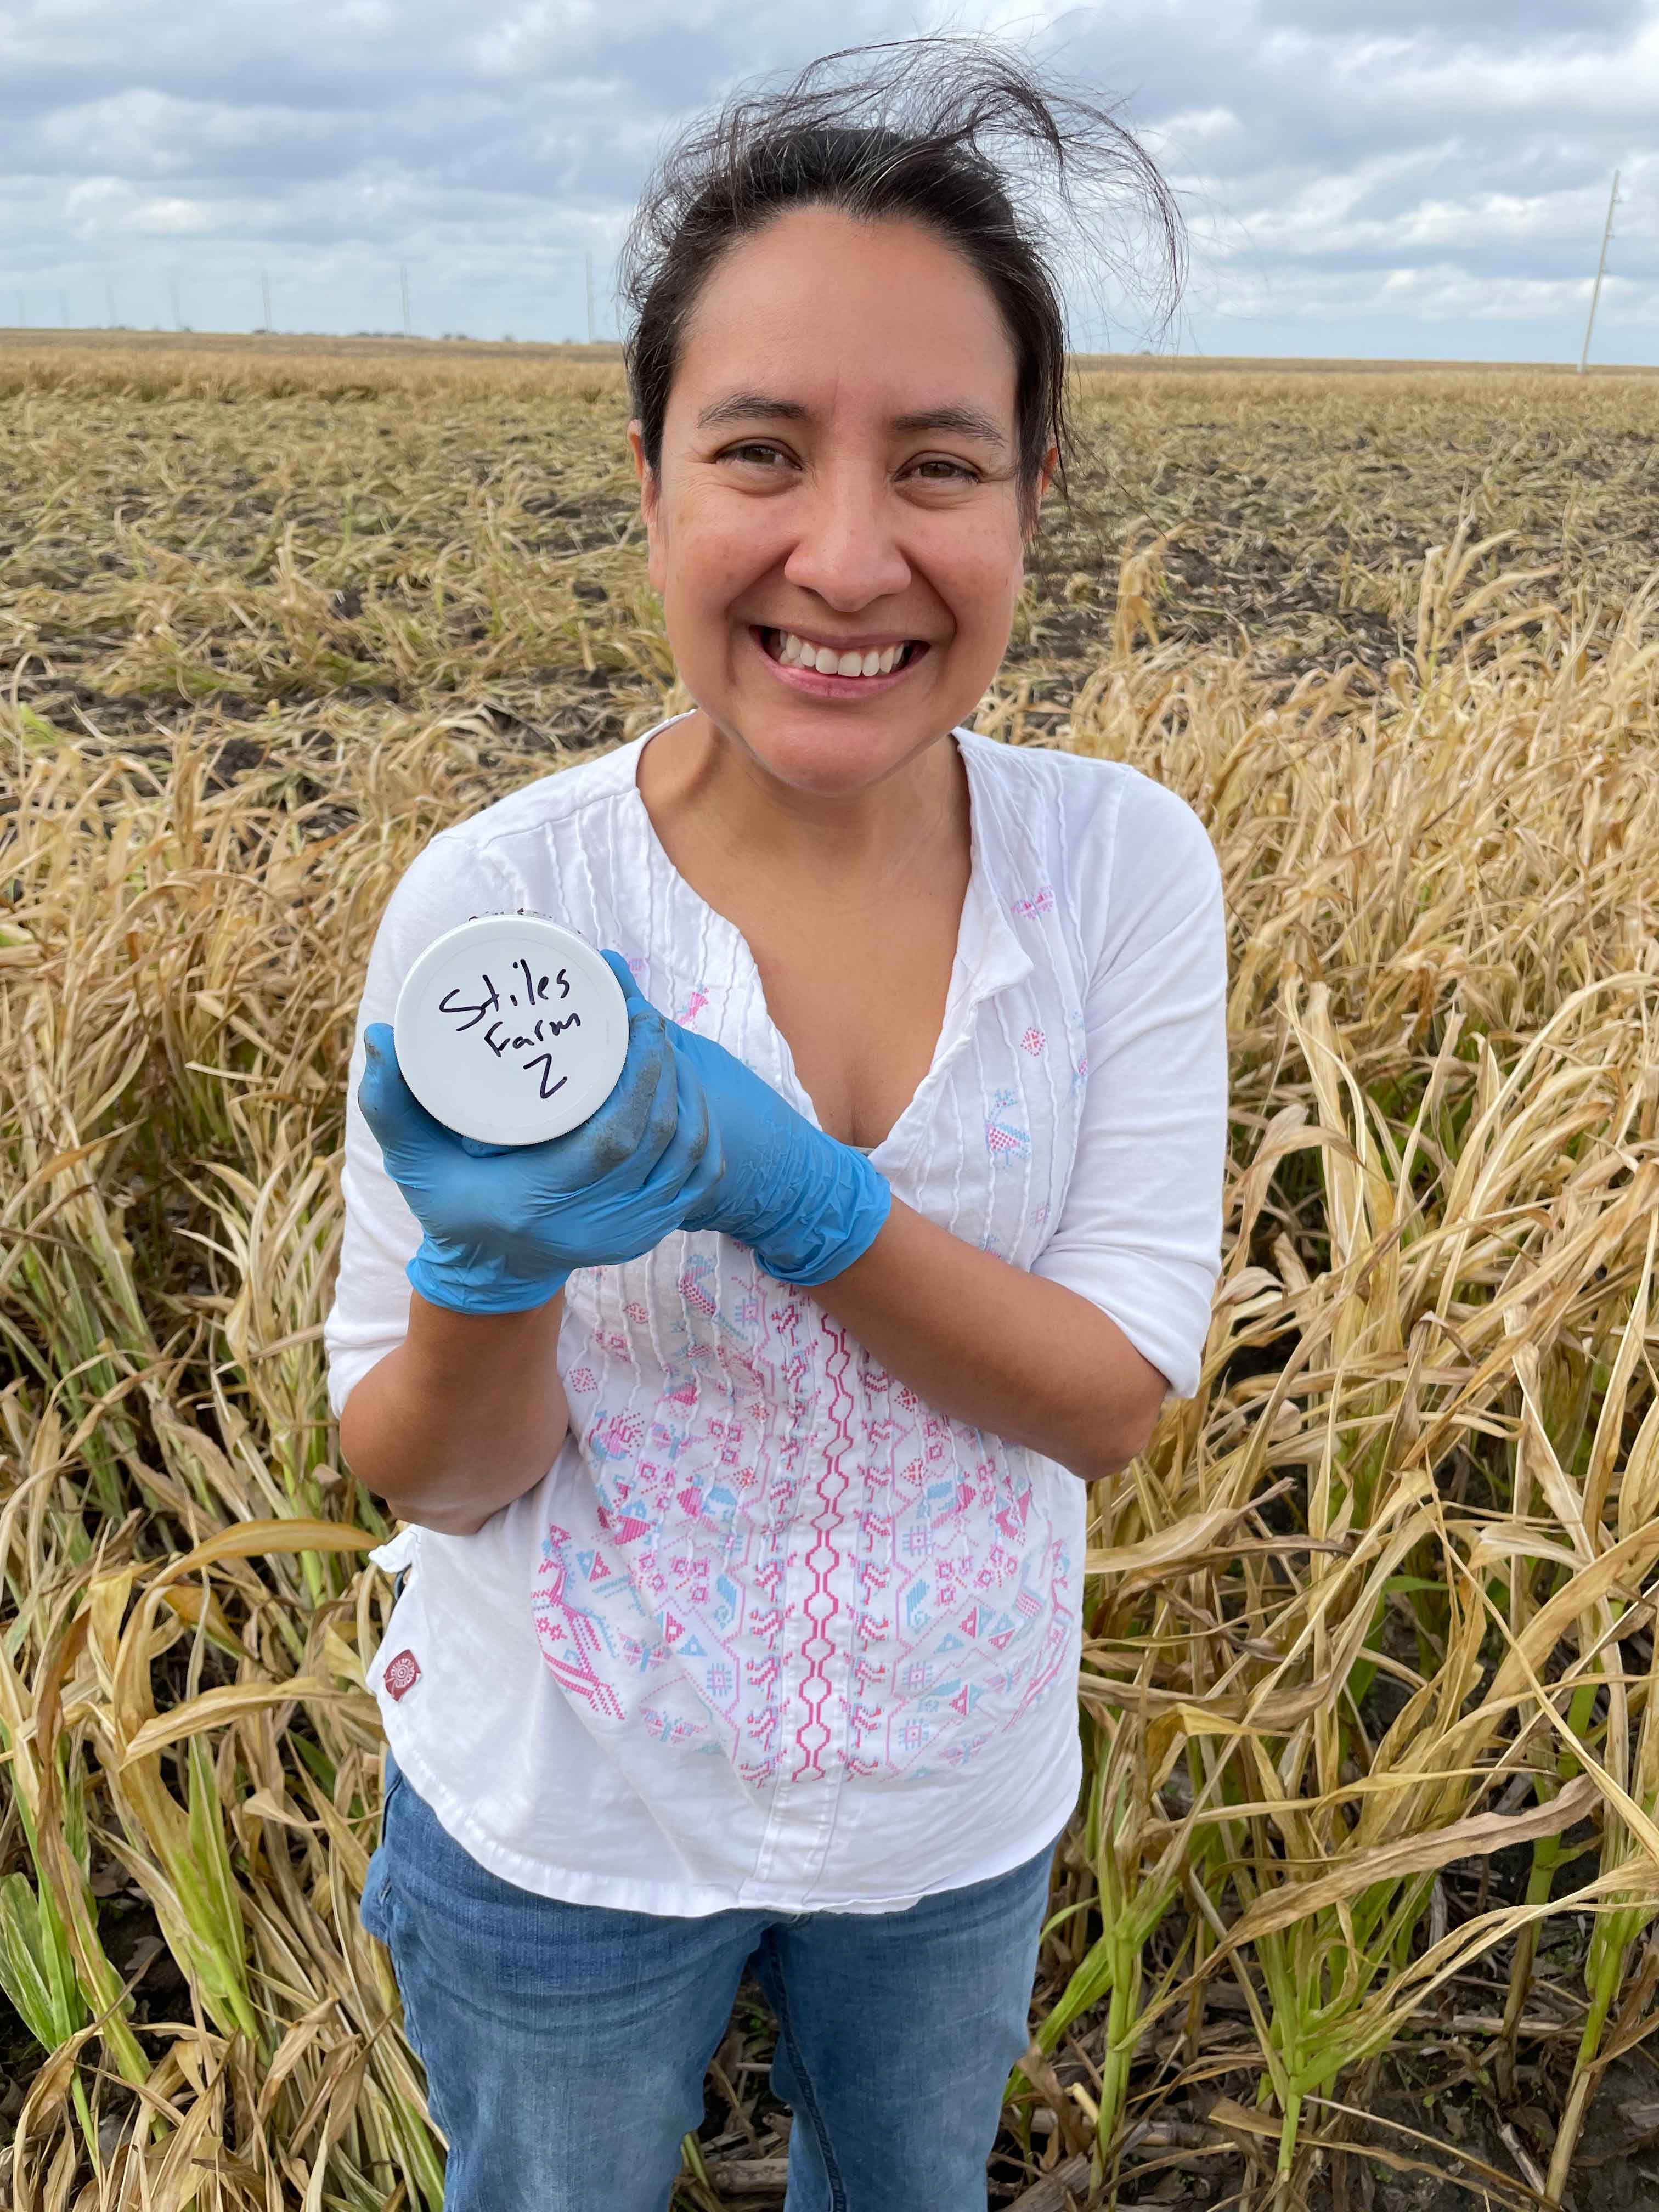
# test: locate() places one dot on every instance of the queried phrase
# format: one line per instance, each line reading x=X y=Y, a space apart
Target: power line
x=1613 y=202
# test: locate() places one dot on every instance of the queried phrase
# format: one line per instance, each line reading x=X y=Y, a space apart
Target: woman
x=743 y=1432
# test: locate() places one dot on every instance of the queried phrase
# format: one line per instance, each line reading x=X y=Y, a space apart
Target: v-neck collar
x=989 y=955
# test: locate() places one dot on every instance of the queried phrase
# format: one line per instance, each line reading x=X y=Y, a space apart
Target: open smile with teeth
x=783 y=645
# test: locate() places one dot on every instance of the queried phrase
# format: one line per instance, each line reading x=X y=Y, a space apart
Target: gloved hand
x=506 y=1224
x=806 y=1204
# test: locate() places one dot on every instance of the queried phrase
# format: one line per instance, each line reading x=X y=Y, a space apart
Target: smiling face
x=838 y=474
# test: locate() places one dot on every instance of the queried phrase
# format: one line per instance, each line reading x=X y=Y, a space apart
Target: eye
x=756 y=452
x=750 y=448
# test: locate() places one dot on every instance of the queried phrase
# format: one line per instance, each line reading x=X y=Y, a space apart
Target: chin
x=828 y=760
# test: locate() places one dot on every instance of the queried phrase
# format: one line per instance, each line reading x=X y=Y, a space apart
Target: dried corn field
x=1361 y=1905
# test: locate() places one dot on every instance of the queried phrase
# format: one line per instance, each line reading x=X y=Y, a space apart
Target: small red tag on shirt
x=403 y=1671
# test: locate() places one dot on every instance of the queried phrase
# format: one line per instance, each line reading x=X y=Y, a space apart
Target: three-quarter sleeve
x=1139 y=1231
x=448 y=881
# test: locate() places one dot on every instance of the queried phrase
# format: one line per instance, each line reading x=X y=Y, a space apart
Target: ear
x=650 y=499
x=1045 y=476
x=637 y=446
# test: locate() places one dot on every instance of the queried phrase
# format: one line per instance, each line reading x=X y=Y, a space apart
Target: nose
x=848 y=550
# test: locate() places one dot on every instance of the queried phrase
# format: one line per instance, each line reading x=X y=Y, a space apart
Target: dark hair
x=903 y=140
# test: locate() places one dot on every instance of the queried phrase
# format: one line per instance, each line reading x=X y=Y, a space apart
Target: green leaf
x=36 y=1969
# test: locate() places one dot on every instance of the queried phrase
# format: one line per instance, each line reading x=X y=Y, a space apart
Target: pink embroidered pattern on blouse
x=823 y=1556
x=1005 y=1138
x=900 y=1605
x=762 y=1548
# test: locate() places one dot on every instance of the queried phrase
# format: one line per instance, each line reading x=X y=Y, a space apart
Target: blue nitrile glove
x=806 y=1204
x=506 y=1224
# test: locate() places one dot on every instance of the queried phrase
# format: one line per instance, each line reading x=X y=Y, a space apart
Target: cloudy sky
x=1399 y=178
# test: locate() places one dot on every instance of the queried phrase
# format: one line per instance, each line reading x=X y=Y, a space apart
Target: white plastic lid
x=510 y=1029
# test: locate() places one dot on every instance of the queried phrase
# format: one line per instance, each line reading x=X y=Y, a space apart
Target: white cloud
x=1200 y=124
x=1442 y=164
x=147 y=132
x=98 y=203
x=526 y=36
x=1603 y=85
x=101 y=207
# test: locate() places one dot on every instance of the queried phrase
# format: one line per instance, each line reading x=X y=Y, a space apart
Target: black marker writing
x=497 y=1036
x=542 y=1031
x=535 y=987
x=491 y=1000
x=544 y=1061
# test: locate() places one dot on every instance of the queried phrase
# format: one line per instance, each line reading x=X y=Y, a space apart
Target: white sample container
x=510 y=1029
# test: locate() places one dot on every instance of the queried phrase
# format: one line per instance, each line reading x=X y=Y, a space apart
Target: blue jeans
x=565 y=2045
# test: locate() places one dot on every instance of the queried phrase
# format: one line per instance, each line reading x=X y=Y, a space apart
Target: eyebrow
x=751 y=406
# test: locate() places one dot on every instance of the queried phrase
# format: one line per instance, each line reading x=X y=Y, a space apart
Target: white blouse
x=772 y=1632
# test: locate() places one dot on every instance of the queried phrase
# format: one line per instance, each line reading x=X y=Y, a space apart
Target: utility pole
x=264 y=294
x=402 y=278
x=590 y=299
x=1613 y=202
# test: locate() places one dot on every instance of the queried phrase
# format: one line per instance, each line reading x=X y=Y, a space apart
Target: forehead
x=845 y=317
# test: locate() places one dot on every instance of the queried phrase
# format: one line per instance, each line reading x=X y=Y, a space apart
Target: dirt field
x=1296 y=508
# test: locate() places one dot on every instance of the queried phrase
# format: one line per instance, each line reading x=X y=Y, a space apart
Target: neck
x=704 y=789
